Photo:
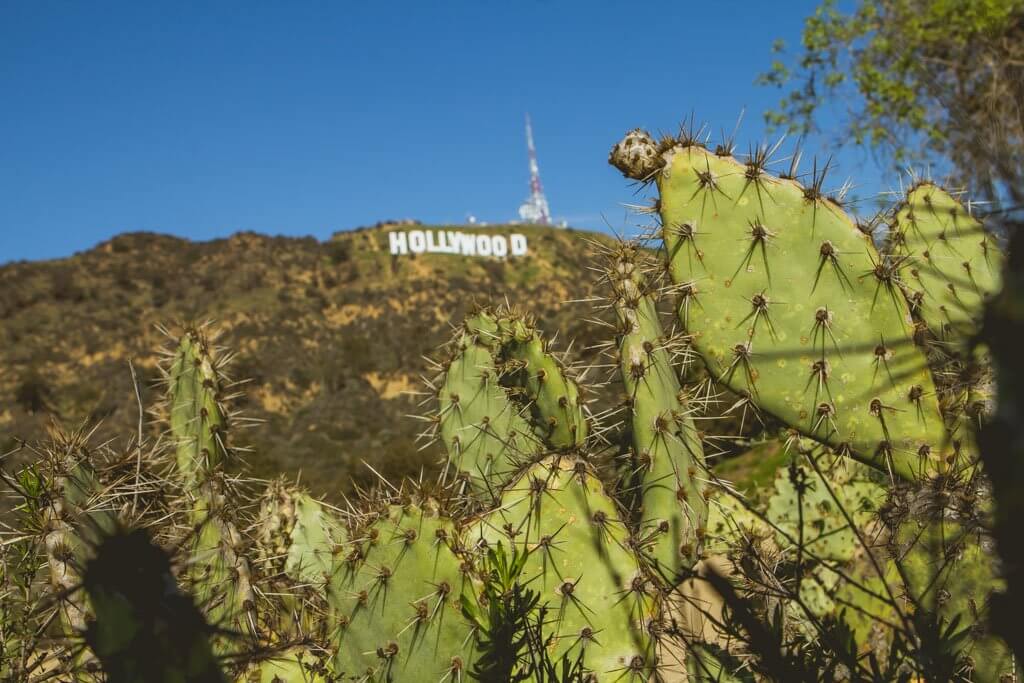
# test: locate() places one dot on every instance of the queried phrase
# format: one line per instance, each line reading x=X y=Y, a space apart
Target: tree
x=937 y=81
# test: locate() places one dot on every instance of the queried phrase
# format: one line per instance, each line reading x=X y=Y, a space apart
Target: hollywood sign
x=454 y=242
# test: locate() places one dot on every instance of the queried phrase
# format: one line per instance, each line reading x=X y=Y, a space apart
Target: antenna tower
x=534 y=209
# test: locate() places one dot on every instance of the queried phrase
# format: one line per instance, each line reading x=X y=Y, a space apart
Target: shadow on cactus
x=553 y=544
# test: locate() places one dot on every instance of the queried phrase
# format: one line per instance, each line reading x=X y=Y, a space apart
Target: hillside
x=330 y=334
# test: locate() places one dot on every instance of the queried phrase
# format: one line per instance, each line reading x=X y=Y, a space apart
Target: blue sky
x=203 y=119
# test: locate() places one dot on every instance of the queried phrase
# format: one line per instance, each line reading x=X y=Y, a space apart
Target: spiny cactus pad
x=395 y=598
x=196 y=417
x=554 y=398
x=810 y=515
x=802 y=497
x=596 y=597
x=486 y=434
x=220 y=574
x=952 y=264
x=299 y=534
x=791 y=306
x=668 y=476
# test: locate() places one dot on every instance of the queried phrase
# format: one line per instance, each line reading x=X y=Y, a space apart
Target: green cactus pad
x=314 y=536
x=299 y=534
x=826 y=534
x=951 y=574
x=953 y=263
x=196 y=417
x=554 y=398
x=68 y=509
x=395 y=596
x=807 y=508
x=669 y=476
x=220 y=573
x=791 y=306
x=486 y=434
x=588 y=580
x=295 y=665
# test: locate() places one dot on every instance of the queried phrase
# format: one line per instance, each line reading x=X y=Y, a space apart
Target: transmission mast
x=534 y=209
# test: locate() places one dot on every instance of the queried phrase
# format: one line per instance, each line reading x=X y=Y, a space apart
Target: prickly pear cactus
x=598 y=599
x=818 y=513
x=221 y=574
x=300 y=534
x=485 y=432
x=395 y=598
x=554 y=398
x=530 y=557
x=952 y=265
x=775 y=283
x=667 y=465
x=807 y=506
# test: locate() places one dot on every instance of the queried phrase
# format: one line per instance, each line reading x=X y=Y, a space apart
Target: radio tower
x=534 y=209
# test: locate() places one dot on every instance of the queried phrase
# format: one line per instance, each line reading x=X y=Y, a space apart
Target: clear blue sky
x=202 y=119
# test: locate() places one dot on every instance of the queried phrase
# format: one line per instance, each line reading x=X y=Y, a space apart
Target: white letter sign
x=455 y=242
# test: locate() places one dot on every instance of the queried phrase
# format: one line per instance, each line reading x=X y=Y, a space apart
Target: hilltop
x=330 y=335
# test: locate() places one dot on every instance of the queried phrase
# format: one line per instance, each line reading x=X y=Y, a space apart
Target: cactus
x=580 y=562
x=805 y=292
x=484 y=431
x=668 y=458
x=395 y=598
x=221 y=575
x=300 y=534
x=553 y=397
x=806 y=513
x=529 y=560
x=953 y=265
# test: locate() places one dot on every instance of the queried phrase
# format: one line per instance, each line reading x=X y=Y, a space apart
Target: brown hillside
x=331 y=335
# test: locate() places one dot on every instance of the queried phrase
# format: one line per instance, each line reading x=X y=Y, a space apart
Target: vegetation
x=937 y=81
x=917 y=80
x=562 y=540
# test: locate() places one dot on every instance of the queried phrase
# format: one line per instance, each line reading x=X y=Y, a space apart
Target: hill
x=329 y=334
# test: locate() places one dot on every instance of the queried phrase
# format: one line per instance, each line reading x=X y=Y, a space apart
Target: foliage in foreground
x=559 y=545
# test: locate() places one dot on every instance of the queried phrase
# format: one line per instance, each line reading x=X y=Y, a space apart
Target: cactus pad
x=792 y=307
x=486 y=434
x=668 y=475
x=595 y=596
x=952 y=264
x=554 y=398
x=196 y=417
x=395 y=595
